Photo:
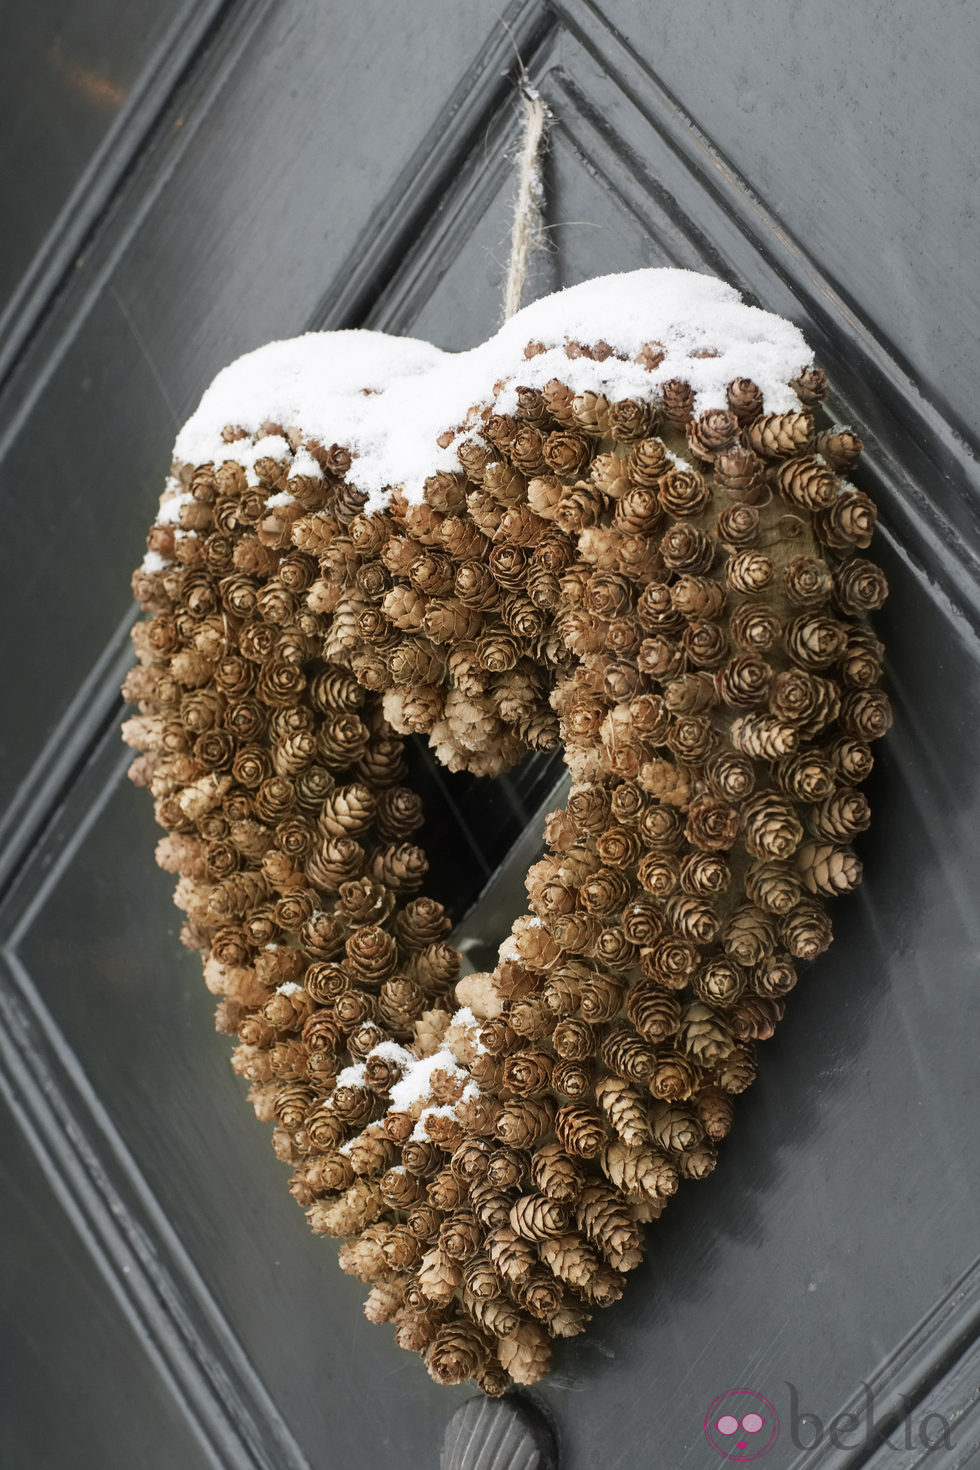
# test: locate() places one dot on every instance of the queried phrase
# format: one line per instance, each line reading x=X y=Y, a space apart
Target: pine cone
x=638 y=510
x=712 y=824
x=860 y=587
x=625 y=1111
x=640 y=1172
x=693 y=918
x=480 y=1281
x=705 y=644
x=510 y=1255
x=720 y=982
x=811 y=384
x=579 y=506
x=360 y=1205
x=573 y=1080
x=748 y=936
x=591 y=413
x=540 y=1295
x=750 y=571
x=528 y=1073
x=814 y=641
x=841 y=815
x=627 y=1054
x=776 y=976
x=438 y=1277
x=494 y=1314
x=809 y=581
x=779 y=435
x=556 y=1174
x=703 y=1036
x=539 y=1217
x=714 y=1110
x=764 y=737
x=571 y=1260
x=602 y=1217
x=666 y=781
x=851 y=758
x=683 y=493
x=675 y=1076
x=614 y=950
x=417 y=1327
x=645 y=463
x=674 y=1129
x=655 y=1015
x=456 y=1353
x=741 y=474
x=841 y=448
x=630 y=420
x=523 y=1122
x=807 y=483
x=686 y=549
x=507 y=1168
x=755 y=627
x=744 y=399
x=773 y=886
x=806 y=931
x=826 y=868
x=372 y=954
x=756 y=1017
x=362 y=1256
x=712 y=433
x=402 y=867
x=670 y=962
x=525 y=1355
x=580 y=1131
x=738 y=528
x=460 y=1236
x=677 y=401
x=772 y=830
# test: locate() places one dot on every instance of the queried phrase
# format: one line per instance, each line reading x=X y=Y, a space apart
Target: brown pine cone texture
x=672 y=596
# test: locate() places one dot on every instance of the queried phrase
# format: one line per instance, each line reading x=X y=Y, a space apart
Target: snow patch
x=420 y=1131
x=304 y=464
x=388 y=399
x=414 y=1087
x=351 y=1076
x=171 y=506
x=390 y=1051
x=466 y=1020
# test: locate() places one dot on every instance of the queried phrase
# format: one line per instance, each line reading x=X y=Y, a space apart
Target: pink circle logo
x=741 y=1424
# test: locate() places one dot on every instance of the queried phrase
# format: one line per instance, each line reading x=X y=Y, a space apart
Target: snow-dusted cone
x=621 y=527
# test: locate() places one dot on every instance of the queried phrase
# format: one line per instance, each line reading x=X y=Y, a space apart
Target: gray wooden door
x=184 y=181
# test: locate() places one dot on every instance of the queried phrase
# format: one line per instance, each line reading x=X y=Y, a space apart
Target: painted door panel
x=314 y=166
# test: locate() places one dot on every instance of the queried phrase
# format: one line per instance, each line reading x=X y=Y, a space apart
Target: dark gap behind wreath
x=472 y=823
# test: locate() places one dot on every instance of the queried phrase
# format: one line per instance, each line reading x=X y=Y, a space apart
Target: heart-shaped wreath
x=618 y=527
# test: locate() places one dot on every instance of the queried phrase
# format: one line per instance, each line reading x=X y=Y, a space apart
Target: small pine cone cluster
x=677 y=598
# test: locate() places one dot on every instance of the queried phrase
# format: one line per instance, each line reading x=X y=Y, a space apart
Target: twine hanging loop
x=526 y=232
